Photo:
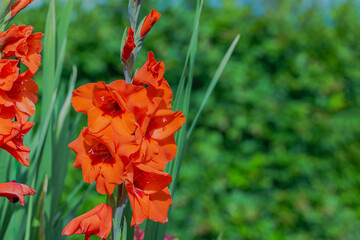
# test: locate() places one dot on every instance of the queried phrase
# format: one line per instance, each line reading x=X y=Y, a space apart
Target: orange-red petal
x=18 y=41
x=164 y=123
x=147 y=191
x=82 y=98
x=159 y=204
x=15 y=191
x=133 y=97
x=97 y=221
x=151 y=73
x=96 y=155
x=113 y=104
x=13 y=141
x=9 y=72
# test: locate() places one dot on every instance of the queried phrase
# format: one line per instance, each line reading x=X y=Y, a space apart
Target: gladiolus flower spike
x=18 y=93
x=129 y=138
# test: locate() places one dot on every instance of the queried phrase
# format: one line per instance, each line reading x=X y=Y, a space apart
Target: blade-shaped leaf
x=156 y=230
x=213 y=83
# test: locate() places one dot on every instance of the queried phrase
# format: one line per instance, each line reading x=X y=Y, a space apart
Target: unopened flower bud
x=18 y=6
x=149 y=22
x=129 y=45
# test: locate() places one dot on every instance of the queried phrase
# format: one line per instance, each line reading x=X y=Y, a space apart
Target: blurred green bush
x=276 y=154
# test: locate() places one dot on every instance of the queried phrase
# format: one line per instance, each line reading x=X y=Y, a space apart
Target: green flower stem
x=122 y=199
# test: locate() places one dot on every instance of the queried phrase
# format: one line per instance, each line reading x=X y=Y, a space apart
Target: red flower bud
x=149 y=22
x=129 y=45
x=18 y=6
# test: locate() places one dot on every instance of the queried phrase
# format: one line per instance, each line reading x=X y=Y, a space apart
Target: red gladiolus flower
x=157 y=129
x=9 y=73
x=149 y=22
x=18 y=6
x=112 y=104
x=152 y=74
x=129 y=45
x=97 y=221
x=15 y=191
x=18 y=41
x=163 y=91
x=97 y=156
x=11 y=139
x=21 y=98
x=149 y=197
x=129 y=139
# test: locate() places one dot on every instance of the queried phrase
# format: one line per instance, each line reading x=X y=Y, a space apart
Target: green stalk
x=122 y=199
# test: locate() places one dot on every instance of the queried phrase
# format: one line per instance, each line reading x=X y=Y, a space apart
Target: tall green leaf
x=156 y=230
x=212 y=85
x=182 y=102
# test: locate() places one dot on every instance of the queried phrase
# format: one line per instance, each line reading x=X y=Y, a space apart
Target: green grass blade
x=6 y=215
x=213 y=83
x=65 y=110
x=154 y=230
x=180 y=95
x=61 y=152
x=48 y=60
x=42 y=131
x=74 y=205
x=48 y=89
x=40 y=212
x=221 y=236
x=157 y=230
x=128 y=215
x=33 y=172
x=68 y=202
x=180 y=90
x=46 y=170
x=16 y=217
x=124 y=233
x=4 y=163
x=180 y=137
x=29 y=215
x=62 y=33
x=179 y=98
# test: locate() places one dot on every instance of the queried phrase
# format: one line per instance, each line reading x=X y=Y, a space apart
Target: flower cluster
x=18 y=93
x=129 y=138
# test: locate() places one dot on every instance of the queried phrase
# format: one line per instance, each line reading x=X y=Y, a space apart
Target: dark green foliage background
x=276 y=154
